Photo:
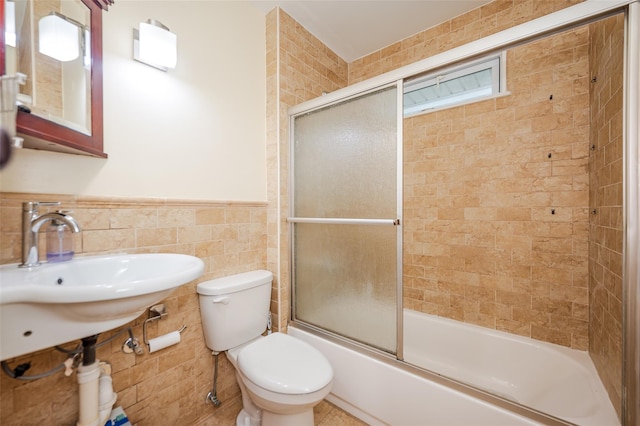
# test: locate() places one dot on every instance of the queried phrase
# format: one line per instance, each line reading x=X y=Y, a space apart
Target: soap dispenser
x=59 y=242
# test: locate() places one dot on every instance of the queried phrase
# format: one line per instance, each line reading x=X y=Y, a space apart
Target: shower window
x=456 y=86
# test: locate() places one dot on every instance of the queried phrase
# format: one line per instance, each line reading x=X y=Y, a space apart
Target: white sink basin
x=55 y=303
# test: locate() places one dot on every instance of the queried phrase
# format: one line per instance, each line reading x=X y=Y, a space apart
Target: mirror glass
x=51 y=45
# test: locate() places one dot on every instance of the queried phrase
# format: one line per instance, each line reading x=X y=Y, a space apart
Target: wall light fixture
x=61 y=37
x=155 y=45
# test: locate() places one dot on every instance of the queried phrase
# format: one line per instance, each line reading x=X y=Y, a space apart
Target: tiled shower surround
x=605 y=203
x=488 y=19
x=497 y=196
x=513 y=206
x=536 y=280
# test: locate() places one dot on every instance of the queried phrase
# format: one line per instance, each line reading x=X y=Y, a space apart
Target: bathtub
x=549 y=378
x=554 y=379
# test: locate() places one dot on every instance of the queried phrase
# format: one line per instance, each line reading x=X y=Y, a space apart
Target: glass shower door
x=345 y=218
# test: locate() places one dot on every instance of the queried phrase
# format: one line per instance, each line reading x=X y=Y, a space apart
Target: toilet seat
x=283 y=364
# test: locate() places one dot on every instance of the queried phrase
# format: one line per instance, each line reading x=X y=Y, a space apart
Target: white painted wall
x=196 y=132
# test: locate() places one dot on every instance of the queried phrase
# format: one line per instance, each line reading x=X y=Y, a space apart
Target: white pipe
x=96 y=395
x=107 y=397
x=88 y=391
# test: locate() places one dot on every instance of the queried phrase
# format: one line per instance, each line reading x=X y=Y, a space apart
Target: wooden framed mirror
x=60 y=107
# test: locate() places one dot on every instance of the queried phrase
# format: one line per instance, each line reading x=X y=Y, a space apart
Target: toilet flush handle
x=223 y=300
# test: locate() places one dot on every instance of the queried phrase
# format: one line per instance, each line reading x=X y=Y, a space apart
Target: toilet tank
x=234 y=309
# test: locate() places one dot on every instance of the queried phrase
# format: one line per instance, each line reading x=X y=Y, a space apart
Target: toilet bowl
x=281 y=378
x=284 y=377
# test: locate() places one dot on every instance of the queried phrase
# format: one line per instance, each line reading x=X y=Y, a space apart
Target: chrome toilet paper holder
x=156 y=312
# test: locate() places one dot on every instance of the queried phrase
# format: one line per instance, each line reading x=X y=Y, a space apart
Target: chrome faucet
x=31 y=223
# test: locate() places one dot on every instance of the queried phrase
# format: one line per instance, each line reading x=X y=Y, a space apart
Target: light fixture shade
x=157 y=46
x=10 y=23
x=58 y=38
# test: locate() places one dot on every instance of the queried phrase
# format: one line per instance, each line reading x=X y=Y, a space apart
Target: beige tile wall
x=547 y=297
x=604 y=252
x=481 y=22
x=272 y=152
x=307 y=66
x=496 y=200
x=606 y=225
x=167 y=387
x=299 y=68
x=299 y=76
x=170 y=386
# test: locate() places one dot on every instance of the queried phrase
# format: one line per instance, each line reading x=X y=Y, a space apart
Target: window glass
x=453 y=87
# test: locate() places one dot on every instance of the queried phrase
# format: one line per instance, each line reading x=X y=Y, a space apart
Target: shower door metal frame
x=631 y=205
x=397 y=221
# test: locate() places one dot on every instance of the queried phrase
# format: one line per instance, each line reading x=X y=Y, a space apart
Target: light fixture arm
x=158 y=24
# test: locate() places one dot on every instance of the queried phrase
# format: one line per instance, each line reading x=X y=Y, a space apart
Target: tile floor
x=325 y=414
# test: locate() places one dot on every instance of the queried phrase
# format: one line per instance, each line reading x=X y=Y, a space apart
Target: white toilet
x=281 y=378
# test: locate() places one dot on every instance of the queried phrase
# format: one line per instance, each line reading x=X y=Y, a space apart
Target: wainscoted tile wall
x=605 y=201
x=496 y=200
x=169 y=386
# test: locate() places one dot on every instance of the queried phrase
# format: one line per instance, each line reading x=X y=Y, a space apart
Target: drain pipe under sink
x=95 y=388
x=106 y=396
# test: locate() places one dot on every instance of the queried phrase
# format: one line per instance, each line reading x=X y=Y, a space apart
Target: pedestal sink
x=55 y=303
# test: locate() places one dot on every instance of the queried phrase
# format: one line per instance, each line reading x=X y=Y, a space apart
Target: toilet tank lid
x=234 y=283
